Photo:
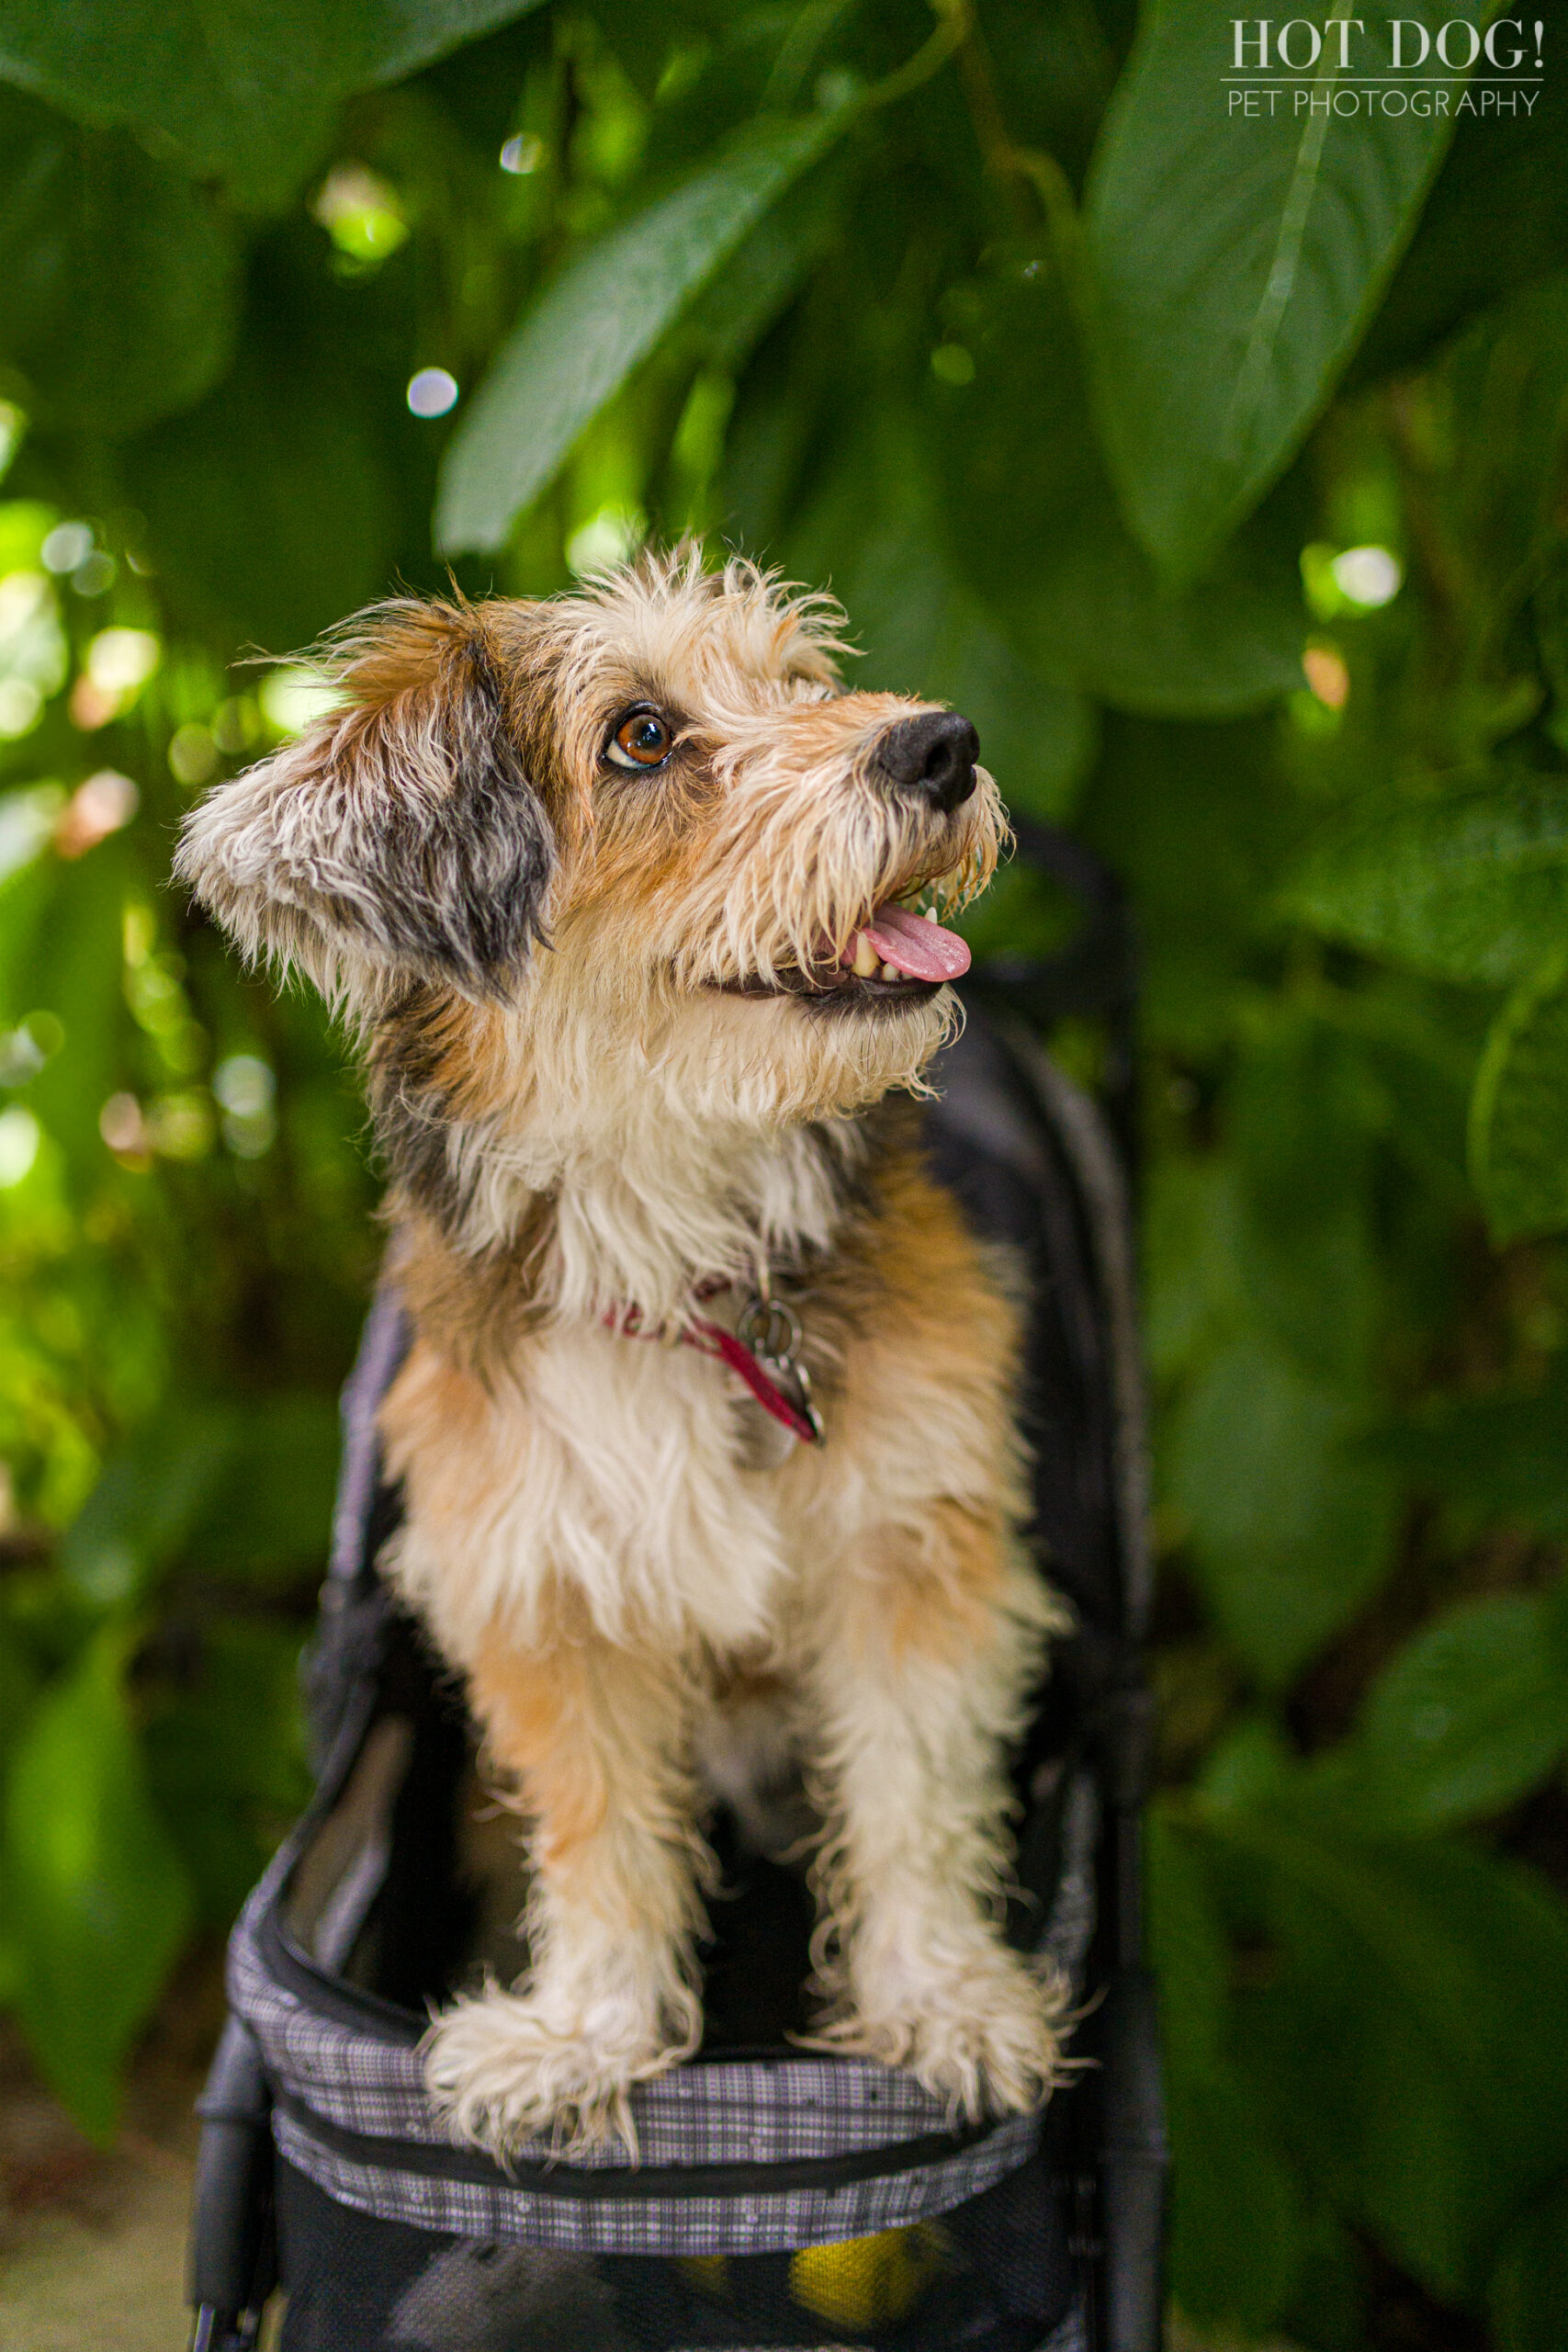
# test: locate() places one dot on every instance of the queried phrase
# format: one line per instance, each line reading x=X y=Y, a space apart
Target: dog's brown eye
x=641 y=740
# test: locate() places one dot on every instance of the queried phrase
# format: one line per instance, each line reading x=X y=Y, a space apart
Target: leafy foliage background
x=1079 y=393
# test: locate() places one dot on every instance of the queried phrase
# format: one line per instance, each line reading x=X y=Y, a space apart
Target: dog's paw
x=501 y=2071
x=982 y=2030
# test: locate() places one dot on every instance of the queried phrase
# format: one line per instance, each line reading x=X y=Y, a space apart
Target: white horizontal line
x=1391 y=81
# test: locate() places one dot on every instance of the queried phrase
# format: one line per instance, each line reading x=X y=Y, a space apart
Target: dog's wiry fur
x=583 y=1117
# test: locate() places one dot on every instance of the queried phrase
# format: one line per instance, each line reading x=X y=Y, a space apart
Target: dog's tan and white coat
x=626 y=1044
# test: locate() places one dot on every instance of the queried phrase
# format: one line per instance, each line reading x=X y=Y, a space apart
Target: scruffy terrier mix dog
x=620 y=891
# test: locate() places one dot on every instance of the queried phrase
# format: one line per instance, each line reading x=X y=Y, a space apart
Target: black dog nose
x=934 y=755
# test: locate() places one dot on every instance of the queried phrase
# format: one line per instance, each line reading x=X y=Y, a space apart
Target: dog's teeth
x=891 y=972
x=866 y=958
x=928 y=914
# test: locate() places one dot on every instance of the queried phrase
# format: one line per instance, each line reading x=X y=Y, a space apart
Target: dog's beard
x=733 y=994
x=622 y=1047
x=780 y=893
x=775 y=1060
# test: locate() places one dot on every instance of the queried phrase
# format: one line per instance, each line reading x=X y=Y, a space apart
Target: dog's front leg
x=594 y=1737
x=927 y=1642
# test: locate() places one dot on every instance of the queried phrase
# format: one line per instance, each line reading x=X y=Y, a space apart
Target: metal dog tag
x=770 y=1330
x=762 y=1443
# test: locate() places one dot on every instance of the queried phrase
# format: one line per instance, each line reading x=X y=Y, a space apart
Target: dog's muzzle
x=894 y=956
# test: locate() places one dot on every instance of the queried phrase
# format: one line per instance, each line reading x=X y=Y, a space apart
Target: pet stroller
x=782 y=2198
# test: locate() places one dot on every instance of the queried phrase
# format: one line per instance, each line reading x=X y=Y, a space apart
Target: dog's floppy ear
x=399 y=838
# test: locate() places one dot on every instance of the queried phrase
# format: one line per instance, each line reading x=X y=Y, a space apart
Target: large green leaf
x=1193 y=1262
x=1551 y=608
x=592 y=327
x=269 y=1514
x=95 y=1894
x=1273 y=1237
x=742 y=298
x=1235 y=259
x=1236 y=2236
x=874 y=531
x=1496 y=218
x=232 y=1489
x=1472 y=1714
x=1031 y=518
x=1528 y=2301
x=1302 y=1123
x=245 y=94
x=120 y=276
x=1288 y=1530
x=1467 y=885
x=1193 y=818
x=1502 y=1458
x=1519 y=1133
x=140 y=1515
x=1410 y=2039
x=269 y=503
x=1233 y=644
x=226 y=1801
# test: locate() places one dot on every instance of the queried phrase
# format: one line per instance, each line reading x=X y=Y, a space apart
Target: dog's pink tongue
x=919 y=948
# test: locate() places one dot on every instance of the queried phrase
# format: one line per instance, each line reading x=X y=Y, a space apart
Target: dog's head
x=562 y=856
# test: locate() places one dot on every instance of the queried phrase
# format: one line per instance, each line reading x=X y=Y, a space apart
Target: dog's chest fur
x=608 y=1468
x=581 y=1466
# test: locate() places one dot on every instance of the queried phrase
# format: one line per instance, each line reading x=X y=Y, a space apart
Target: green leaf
x=1236 y=2239
x=1411 y=2048
x=1302 y=1120
x=96 y=1895
x=244 y=94
x=1187 y=1945
x=1032 y=517
x=1504 y=1458
x=121 y=279
x=601 y=317
x=1550 y=607
x=19 y=1687
x=140 y=1515
x=1518 y=1128
x=1194 y=1247
x=1468 y=884
x=1226 y=648
x=228 y=1800
x=1234 y=261
x=1528 y=2300
x=269 y=504
x=1288 y=1530
x=1251 y=1763
x=1471 y=1715
x=1497 y=218
x=235 y=1489
x=1271 y=1238
x=743 y=298
x=1193 y=818
x=874 y=531
x=25 y=524
x=270 y=1510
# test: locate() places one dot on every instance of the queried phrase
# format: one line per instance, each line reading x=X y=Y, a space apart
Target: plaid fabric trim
x=746 y=2224
x=756 y=2112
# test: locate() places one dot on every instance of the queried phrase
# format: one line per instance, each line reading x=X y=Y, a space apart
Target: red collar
x=774 y=1372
